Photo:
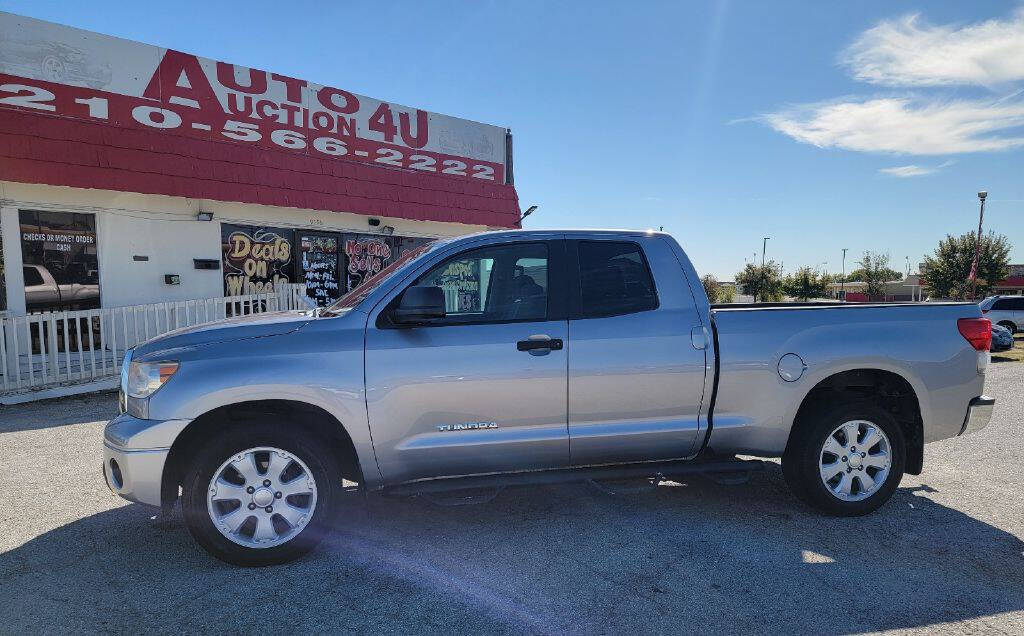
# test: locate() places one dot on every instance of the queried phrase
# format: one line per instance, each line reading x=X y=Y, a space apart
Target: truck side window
x=501 y=283
x=614 y=280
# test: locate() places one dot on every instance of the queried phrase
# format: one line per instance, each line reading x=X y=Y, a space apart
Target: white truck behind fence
x=75 y=350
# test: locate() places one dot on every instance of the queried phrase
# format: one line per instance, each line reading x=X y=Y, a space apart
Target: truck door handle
x=535 y=343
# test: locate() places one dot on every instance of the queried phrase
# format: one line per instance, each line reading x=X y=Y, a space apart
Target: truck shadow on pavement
x=694 y=556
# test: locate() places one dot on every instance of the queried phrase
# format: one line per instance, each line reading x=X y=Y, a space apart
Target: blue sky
x=823 y=125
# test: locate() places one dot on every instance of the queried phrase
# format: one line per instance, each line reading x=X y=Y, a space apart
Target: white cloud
x=914 y=170
x=908 y=171
x=905 y=125
x=909 y=52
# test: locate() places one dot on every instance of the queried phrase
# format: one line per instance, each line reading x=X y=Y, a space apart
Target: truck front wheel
x=846 y=460
x=260 y=494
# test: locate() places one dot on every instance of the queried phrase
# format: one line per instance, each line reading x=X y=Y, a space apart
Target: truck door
x=635 y=379
x=482 y=390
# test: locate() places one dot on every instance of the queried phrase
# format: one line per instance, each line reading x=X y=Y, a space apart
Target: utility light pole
x=842 y=280
x=764 y=246
x=977 y=247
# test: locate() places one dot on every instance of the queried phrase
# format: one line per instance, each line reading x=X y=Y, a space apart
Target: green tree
x=859 y=275
x=875 y=271
x=804 y=283
x=712 y=288
x=726 y=294
x=946 y=272
x=764 y=283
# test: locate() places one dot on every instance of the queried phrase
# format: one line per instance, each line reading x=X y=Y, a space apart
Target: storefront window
x=60 y=266
x=256 y=259
x=367 y=254
x=330 y=264
x=318 y=264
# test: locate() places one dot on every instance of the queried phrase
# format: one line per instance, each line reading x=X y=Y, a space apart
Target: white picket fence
x=52 y=349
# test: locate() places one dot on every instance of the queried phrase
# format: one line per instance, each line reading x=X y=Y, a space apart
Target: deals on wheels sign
x=61 y=71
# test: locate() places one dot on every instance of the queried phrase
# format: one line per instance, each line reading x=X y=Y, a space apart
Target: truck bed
x=917 y=341
x=835 y=304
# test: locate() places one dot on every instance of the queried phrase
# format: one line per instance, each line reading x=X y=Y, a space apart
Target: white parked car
x=1006 y=311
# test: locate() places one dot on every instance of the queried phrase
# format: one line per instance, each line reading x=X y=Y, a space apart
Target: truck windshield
x=357 y=294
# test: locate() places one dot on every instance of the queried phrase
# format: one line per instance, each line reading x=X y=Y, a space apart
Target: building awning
x=1012 y=281
x=81 y=154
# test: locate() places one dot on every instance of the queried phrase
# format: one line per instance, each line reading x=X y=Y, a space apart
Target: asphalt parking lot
x=946 y=554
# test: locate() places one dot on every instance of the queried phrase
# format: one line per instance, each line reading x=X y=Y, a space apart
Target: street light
x=842 y=281
x=977 y=247
x=530 y=210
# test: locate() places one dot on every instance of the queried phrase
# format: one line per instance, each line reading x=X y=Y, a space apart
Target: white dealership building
x=134 y=174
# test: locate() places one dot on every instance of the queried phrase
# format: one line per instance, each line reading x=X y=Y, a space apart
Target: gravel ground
x=945 y=555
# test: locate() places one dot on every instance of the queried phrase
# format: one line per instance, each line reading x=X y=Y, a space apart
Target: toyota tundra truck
x=529 y=357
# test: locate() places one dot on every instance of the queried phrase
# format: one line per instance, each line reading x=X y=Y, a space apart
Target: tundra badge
x=468 y=426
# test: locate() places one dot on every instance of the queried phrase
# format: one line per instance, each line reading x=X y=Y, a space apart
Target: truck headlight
x=144 y=378
x=122 y=396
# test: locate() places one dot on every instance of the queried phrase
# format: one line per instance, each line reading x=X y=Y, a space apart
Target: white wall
x=11 y=236
x=170 y=244
x=166 y=230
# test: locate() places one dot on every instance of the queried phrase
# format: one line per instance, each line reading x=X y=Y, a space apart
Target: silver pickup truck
x=527 y=357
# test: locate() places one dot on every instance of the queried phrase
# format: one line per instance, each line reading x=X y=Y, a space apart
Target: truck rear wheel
x=846 y=460
x=260 y=494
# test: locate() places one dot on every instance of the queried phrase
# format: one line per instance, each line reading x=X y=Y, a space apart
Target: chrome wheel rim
x=855 y=460
x=261 y=497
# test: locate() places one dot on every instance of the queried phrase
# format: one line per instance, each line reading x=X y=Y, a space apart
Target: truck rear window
x=614 y=280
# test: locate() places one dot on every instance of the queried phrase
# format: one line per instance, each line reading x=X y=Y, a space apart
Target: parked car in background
x=1002 y=339
x=1005 y=311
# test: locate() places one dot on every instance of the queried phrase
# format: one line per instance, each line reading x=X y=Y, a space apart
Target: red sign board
x=57 y=71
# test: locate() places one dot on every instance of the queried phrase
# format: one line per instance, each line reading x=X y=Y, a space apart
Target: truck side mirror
x=419 y=305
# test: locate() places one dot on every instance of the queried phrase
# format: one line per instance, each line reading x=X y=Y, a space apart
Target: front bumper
x=979 y=412
x=135 y=474
x=134 y=454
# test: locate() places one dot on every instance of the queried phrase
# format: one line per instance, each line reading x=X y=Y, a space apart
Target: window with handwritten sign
x=256 y=259
x=318 y=262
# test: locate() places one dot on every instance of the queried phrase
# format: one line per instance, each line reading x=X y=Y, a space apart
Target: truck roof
x=572 y=233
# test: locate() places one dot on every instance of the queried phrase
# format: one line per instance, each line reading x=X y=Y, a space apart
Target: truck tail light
x=977 y=331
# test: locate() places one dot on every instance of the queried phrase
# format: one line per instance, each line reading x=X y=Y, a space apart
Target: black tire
x=264 y=432
x=801 y=461
x=1009 y=325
